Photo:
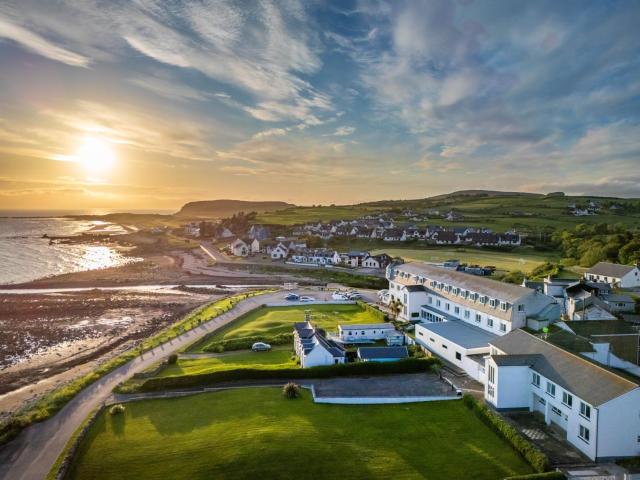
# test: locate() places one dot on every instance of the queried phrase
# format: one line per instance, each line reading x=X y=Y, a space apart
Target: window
x=556 y=410
x=455 y=291
x=521 y=308
x=429 y=300
x=503 y=306
x=584 y=433
x=483 y=300
x=490 y=391
x=467 y=313
x=478 y=317
x=493 y=302
x=362 y=332
x=503 y=327
x=551 y=389
x=585 y=410
x=447 y=307
x=421 y=334
x=458 y=356
x=457 y=310
x=535 y=379
x=437 y=303
x=567 y=399
x=492 y=374
x=431 y=339
x=444 y=346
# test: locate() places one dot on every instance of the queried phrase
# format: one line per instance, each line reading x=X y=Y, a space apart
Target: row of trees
x=588 y=244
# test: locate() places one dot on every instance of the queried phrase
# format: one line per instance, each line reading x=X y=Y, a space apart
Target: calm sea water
x=25 y=255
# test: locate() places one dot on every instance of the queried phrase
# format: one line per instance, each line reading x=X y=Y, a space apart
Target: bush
x=410 y=365
x=117 y=409
x=291 y=390
x=172 y=359
x=538 y=460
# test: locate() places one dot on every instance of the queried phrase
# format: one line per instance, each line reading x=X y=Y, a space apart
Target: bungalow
x=595 y=408
x=313 y=348
x=620 y=303
x=382 y=354
x=280 y=252
x=319 y=256
x=621 y=276
x=369 y=332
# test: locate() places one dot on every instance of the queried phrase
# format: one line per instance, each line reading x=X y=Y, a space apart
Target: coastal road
x=32 y=454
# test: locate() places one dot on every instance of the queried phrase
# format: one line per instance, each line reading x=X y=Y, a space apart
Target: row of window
x=456 y=311
x=567 y=398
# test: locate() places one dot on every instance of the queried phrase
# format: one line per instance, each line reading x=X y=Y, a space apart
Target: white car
x=305 y=298
x=354 y=296
x=339 y=296
x=260 y=347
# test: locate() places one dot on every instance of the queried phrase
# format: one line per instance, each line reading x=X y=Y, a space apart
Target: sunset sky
x=148 y=104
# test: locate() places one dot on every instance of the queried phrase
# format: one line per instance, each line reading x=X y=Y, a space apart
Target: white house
x=254 y=246
x=616 y=275
x=459 y=313
x=279 y=252
x=239 y=248
x=318 y=256
x=369 y=332
x=313 y=348
x=598 y=410
x=377 y=261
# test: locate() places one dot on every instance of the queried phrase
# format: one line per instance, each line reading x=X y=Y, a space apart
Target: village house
x=240 y=247
x=377 y=261
x=313 y=348
x=616 y=275
x=279 y=252
x=318 y=256
x=595 y=408
x=353 y=258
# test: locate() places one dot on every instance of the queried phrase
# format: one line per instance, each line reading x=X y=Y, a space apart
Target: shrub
x=536 y=458
x=291 y=390
x=539 y=476
x=172 y=359
x=410 y=365
x=117 y=409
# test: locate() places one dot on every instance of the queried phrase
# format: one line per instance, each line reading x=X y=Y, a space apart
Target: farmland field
x=522 y=259
x=269 y=321
x=278 y=357
x=256 y=433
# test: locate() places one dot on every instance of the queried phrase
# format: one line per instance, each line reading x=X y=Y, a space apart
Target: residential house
x=377 y=261
x=240 y=247
x=279 y=252
x=620 y=303
x=382 y=354
x=597 y=410
x=364 y=333
x=616 y=275
x=313 y=348
x=392 y=235
x=318 y=256
x=259 y=232
x=353 y=258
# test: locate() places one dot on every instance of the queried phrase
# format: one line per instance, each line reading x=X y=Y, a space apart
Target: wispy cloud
x=344 y=131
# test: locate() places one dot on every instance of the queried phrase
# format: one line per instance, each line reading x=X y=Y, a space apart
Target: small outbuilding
x=382 y=354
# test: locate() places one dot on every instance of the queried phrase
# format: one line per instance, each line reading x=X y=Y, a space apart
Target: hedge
x=410 y=365
x=244 y=343
x=539 y=476
x=535 y=457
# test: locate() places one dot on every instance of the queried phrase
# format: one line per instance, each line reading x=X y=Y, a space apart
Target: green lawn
x=256 y=433
x=269 y=321
x=521 y=259
x=278 y=357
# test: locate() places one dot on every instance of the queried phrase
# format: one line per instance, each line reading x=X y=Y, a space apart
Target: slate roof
x=607 y=269
x=367 y=326
x=461 y=333
x=577 y=375
x=371 y=353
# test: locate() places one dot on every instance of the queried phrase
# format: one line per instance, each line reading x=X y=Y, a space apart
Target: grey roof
x=367 y=326
x=460 y=333
x=518 y=360
x=482 y=285
x=414 y=288
x=575 y=374
x=618 y=298
x=607 y=269
x=382 y=352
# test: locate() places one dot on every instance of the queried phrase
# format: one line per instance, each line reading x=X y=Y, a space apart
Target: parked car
x=260 y=347
x=339 y=296
x=292 y=297
x=354 y=295
x=305 y=298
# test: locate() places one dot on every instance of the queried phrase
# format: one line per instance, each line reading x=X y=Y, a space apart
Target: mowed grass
x=269 y=321
x=278 y=357
x=521 y=259
x=256 y=433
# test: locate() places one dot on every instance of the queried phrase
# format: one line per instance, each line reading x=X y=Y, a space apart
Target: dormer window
x=504 y=306
x=493 y=303
x=483 y=300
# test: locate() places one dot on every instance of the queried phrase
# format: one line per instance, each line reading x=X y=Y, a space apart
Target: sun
x=95 y=155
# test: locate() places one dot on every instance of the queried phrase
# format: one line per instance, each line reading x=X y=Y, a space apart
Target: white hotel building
x=459 y=314
x=598 y=410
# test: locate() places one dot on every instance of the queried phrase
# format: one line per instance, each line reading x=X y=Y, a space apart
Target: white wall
x=631 y=279
x=513 y=387
x=317 y=356
x=619 y=426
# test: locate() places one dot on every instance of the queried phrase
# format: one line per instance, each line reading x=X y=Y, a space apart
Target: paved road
x=32 y=454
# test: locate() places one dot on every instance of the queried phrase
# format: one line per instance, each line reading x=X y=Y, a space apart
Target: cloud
x=40 y=45
x=344 y=131
x=272 y=132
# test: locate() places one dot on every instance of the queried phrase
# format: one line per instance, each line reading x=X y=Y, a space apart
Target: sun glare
x=95 y=155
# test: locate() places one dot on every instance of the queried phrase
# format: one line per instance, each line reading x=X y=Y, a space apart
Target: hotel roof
x=460 y=333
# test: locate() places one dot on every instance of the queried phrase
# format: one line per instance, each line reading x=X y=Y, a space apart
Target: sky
x=149 y=104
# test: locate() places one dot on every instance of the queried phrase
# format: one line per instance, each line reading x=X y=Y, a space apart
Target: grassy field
x=291 y=216
x=269 y=321
x=256 y=433
x=522 y=259
x=278 y=357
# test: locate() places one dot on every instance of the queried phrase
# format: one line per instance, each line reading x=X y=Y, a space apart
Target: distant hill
x=226 y=208
x=483 y=193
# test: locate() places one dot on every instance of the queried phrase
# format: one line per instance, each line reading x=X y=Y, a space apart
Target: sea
x=25 y=255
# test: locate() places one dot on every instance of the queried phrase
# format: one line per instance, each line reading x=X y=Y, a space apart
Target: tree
x=395 y=305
